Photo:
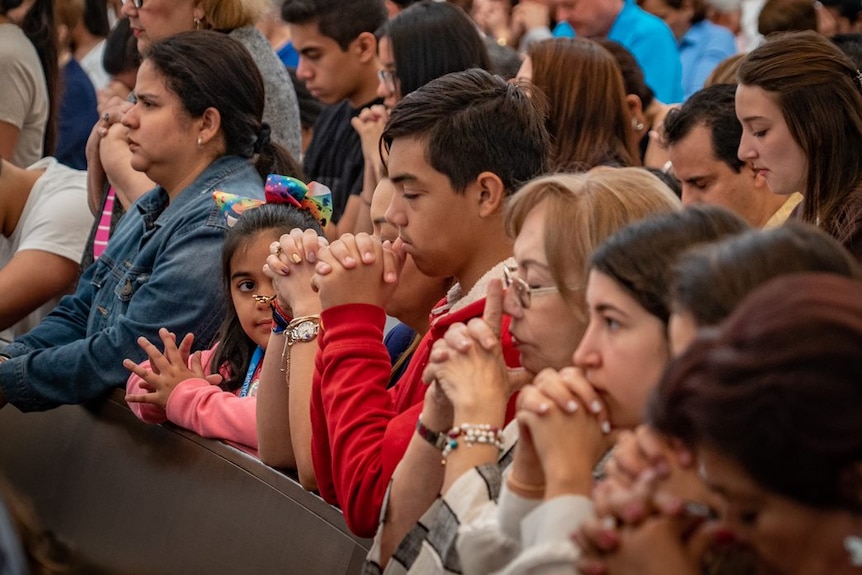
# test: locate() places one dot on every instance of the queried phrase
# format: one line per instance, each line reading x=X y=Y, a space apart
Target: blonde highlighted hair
x=582 y=210
x=231 y=14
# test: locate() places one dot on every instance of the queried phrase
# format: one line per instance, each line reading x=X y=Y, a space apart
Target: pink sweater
x=206 y=409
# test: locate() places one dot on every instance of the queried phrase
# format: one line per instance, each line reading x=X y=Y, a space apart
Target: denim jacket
x=162 y=267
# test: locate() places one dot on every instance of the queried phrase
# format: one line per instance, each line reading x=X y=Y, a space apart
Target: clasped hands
x=353 y=269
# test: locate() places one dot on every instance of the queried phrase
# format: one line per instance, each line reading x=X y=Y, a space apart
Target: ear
x=636 y=108
x=198 y=11
x=210 y=125
x=491 y=194
x=365 y=47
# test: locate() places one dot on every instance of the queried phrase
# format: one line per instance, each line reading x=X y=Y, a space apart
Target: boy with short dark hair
x=338 y=64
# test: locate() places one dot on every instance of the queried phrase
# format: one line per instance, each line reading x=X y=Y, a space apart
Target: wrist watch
x=300 y=330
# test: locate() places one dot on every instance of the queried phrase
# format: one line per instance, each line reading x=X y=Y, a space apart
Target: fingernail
x=606 y=427
x=311 y=257
x=596 y=406
x=609 y=522
x=296 y=258
x=349 y=261
x=544 y=407
x=368 y=256
x=572 y=406
x=391 y=277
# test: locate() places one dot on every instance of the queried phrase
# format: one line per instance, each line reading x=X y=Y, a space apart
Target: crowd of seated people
x=602 y=315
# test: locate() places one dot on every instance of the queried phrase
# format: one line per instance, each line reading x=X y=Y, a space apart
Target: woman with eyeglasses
x=152 y=20
x=557 y=221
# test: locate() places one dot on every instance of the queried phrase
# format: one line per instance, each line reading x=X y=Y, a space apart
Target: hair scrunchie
x=263 y=138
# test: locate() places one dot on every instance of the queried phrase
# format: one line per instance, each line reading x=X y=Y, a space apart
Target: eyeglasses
x=388 y=78
x=136 y=3
x=522 y=290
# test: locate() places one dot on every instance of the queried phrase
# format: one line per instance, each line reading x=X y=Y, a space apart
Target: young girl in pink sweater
x=213 y=393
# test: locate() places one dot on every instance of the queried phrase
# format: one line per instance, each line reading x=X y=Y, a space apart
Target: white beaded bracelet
x=472 y=434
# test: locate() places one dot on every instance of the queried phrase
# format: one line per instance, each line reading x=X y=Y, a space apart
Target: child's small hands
x=167 y=369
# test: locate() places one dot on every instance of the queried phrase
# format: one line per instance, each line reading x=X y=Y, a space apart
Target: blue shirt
x=77 y=115
x=288 y=55
x=652 y=44
x=701 y=49
x=161 y=268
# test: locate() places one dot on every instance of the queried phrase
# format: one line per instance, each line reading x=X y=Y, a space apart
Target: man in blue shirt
x=647 y=37
x=702 y=44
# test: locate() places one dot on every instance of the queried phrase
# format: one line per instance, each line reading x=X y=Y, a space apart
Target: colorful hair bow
x=315 y=197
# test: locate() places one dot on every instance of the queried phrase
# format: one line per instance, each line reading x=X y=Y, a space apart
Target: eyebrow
x=603 y=307
x=240 y=274
x=751 y=118
x=401 y=178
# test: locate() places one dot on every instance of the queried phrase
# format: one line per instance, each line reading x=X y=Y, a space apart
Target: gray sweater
x=281 y=109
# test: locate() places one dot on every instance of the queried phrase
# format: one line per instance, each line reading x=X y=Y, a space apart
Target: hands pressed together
x=653 y=512
x=166 y=368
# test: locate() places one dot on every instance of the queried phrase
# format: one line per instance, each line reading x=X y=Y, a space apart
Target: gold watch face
x=305 y=331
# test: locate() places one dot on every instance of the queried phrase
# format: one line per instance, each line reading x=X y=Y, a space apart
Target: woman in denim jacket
x=196 y=127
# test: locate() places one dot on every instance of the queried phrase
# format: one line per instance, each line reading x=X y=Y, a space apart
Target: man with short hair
x=458 y=147
x=338 y=63
x=702 y=138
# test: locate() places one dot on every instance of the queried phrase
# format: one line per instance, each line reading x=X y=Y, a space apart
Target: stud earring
x=200 y=142
x=197 y=23
x=637 y=126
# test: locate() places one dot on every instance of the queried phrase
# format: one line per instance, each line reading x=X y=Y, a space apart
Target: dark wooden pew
x=155 y=499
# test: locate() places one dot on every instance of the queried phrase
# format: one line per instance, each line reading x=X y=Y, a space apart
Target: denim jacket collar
x=155 y=206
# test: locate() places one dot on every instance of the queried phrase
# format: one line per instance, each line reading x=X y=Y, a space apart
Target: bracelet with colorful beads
x=471 y=434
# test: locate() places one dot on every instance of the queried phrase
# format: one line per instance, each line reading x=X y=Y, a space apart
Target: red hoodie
x=360 y=430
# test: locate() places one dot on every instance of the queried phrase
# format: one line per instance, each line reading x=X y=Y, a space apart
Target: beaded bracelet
x=472 y=434
x=280 y=318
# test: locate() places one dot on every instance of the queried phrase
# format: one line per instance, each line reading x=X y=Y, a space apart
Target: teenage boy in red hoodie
x=458 y=147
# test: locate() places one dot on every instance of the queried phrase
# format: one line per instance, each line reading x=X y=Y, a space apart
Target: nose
x=746 y=151
x=510 y=304
x=586 y=355
x=689 y=196
x=127 y=8
x=304 y=71
x=382 y=90
x=130 y=116
x=395 y=213
x=262 y=304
